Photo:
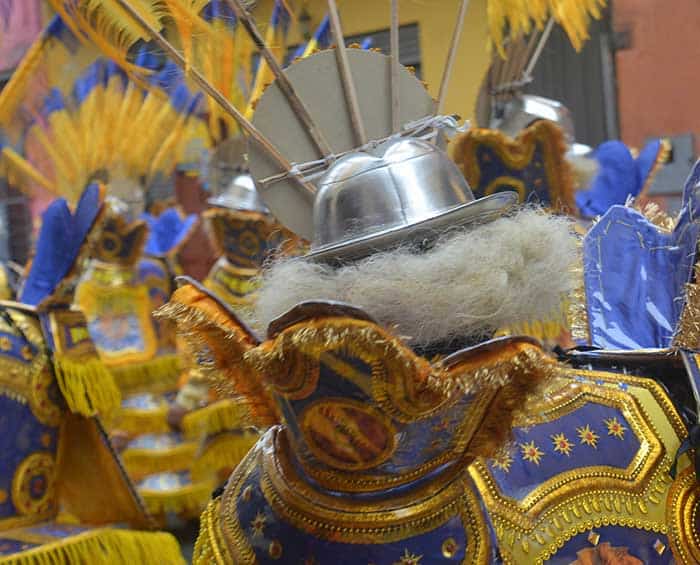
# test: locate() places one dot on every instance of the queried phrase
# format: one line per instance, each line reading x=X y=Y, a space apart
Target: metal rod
x=283 y=82
x=346 y=75
x=456 y=34
x=538 y=50
x=211 y=90
x=395 y=94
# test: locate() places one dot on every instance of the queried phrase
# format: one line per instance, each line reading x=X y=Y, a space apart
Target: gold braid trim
x=102 y=547
x=577 y=315
x=210 y=547
x=688 y=329
x=683 y=517
x=87 y=386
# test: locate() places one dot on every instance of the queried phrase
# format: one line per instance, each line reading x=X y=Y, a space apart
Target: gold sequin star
x=588 y=436
x=531 y=452
x=562 y=444
x=409 y=559
x=258 y=524
x=502 y=461
x=615 y=428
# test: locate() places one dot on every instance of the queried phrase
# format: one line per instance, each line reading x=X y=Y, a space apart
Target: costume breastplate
x=587 y=475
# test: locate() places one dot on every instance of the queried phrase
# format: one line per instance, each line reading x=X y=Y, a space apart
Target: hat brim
x=479 y=211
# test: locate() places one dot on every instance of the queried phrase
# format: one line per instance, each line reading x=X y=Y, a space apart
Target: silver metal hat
x=521 y=111
x=410 y=189
x=240 y=194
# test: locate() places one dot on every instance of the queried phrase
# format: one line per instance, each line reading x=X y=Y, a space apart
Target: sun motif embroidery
x=615 y=428
x=588 y=436
x=531 y=452
x=502 y=461
x=562 y=444
x=258 y=524
x=409 y=559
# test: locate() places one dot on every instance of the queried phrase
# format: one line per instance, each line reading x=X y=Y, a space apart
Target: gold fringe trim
x=103 y=547
x=141 y=461
x=157 y=375
x=135 y=421
x=688 y=329
x=220 y=416
x=653 y=212
x=544 y=330
x=87 y=386
x=223 y=453
x=577 y=313
x=186 y=502
x=207 y=326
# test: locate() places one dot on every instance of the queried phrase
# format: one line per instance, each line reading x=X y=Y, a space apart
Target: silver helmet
x=407 y=191
x=240 y=194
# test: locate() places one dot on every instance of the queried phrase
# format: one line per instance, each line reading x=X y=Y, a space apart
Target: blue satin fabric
x=635 y=274
x=619 y=176
x=166 y=231
x=60 y=239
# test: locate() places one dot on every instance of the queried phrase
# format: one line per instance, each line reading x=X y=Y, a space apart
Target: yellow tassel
x=187 y=501
x=141 y=462
x=103 y=547
x=223 y=415
x=157 y=375
x=87 y=386
x=223 y=453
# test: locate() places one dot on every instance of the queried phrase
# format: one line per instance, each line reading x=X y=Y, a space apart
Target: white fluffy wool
x=472 y=282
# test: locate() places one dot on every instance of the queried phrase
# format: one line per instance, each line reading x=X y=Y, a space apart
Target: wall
x=436 y=19
x=657 y=76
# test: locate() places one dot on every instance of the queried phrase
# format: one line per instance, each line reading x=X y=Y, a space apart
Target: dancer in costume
x=62 y=485
x=387 y=396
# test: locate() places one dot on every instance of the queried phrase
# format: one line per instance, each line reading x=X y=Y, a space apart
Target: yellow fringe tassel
x=157 y=375
x=87 y=386
x=223 y=453
x=220 y=416
x=134 y=421
x=103 y=547
x=141 y=462
x=186 y=502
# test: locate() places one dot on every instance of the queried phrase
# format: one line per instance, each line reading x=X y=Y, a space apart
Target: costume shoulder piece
x=362 y=415
x=627 y=254
x=533 y=164
x=588 y=474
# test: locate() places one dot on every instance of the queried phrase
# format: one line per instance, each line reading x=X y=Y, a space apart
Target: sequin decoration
x=33 y=485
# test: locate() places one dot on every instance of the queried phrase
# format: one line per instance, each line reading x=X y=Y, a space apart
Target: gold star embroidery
x=409 y=559
x=5 y=343
x=502 y=461
x=562 y=444
x=615 y=428
x=258 y=524
x=588 y=436
x=531 y=452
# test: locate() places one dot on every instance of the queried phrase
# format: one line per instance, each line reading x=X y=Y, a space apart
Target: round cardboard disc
x=317 y=82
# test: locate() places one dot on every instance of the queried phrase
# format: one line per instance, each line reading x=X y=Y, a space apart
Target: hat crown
x=240 y=194
x=364 y=194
